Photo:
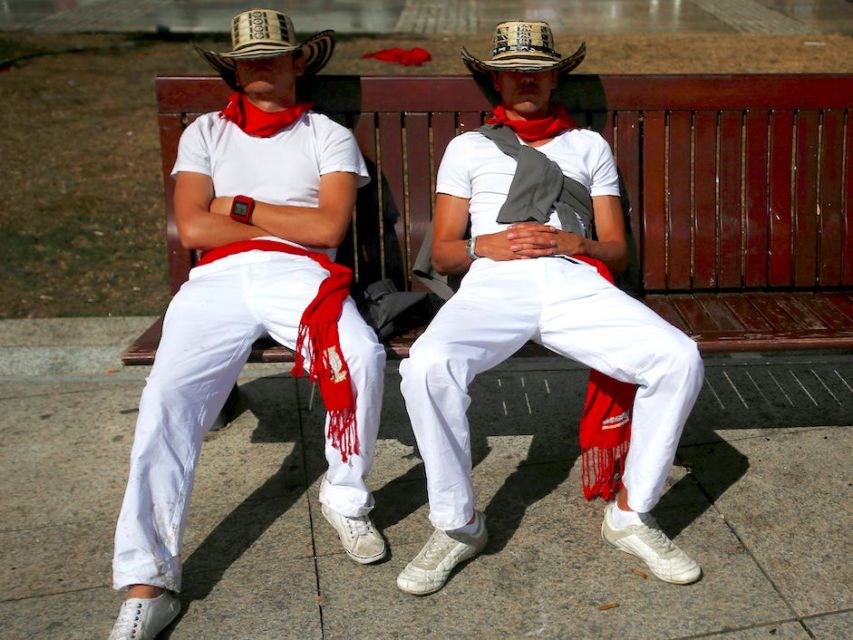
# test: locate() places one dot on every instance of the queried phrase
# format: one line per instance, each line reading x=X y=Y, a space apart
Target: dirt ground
x=83 y=217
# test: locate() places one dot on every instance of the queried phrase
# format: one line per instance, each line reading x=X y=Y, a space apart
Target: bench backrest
x=736 y=181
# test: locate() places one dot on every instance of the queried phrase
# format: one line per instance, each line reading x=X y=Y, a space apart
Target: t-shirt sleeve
x=193 y=154
x=454 y=174
x=339 y=152
x=605 y=178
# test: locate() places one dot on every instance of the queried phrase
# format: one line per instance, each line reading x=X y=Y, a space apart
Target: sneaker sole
x=359 y=559
x=654 y=573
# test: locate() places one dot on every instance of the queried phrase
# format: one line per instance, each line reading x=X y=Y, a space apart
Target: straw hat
x=524 y=46
x=264 y=33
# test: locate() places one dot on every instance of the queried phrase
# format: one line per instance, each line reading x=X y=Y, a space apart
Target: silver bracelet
x=469 y=248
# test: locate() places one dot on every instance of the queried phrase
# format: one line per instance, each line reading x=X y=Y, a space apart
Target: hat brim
x=316 y=51
x=524 y=62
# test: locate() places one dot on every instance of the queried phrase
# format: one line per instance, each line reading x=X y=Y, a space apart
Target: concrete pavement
x=760 y=495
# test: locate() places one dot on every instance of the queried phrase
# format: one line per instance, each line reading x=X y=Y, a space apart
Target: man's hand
x=529 y=240
x=534 y=240
x=519 y=241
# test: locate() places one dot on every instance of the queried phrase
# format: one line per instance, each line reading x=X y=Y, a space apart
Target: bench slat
x=654 y=200
x=780 y=320
x=705 y=199
x=627 y=151
x=847 y=243
x=664 y=307
x=844 y=303
x=418 y=183
x=755 y=189
x=469 y=121
x=373 y=211
x=196 y=94
x=144 y=348
x=390 y=166
x=694 y=314
x=679 y=165
x=746 y=313
x=804 y=315
x=180 y=261
x=806 y=222
x=781 y=139
x=831 y=222
x=443 y=131
x=721 y=314
x=729 y=226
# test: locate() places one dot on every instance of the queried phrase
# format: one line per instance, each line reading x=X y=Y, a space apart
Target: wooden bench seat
x=741 y=189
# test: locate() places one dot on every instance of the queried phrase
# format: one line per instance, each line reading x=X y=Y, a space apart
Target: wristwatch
x=469 y=248
x=242 y=208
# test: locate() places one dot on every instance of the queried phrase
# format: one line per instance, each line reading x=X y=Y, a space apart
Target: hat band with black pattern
x=526 y=47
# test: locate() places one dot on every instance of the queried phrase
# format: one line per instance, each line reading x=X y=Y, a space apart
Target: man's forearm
x=200 y=229
x=450 y=256
x=612 y=253
x=311 y=226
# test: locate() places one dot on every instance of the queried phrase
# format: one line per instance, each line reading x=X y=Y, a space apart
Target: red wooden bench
x=741 y=189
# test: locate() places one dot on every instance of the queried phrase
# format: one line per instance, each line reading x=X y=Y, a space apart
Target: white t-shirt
x=475 y=169
x=282 y=169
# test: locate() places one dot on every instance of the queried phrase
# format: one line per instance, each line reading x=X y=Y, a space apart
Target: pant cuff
x=165 y=574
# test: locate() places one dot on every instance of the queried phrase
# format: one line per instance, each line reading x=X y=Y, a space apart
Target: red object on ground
x=407 y=57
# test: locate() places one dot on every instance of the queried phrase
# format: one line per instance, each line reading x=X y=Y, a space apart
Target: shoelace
x=360 y=526
x=128 y=619
x=654 y=534
x=438 y=546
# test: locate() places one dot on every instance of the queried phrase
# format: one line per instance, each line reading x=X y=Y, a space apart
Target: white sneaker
x=430 y=569
x=651 y=545
x=144 y=618
x=360 y=539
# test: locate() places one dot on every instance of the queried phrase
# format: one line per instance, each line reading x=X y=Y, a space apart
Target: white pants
x=207 y=337
x=567 y=307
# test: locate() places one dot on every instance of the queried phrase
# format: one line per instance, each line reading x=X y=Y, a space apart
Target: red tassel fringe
x=600 y=476
x=342 y=432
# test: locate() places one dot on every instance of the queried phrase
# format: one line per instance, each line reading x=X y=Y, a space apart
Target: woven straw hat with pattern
x=526 y=47
x=265 y=33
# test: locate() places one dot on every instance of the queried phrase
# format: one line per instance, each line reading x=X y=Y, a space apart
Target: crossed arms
x=203 y=221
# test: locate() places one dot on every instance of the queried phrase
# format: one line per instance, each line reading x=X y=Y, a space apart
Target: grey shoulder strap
x=538 y=186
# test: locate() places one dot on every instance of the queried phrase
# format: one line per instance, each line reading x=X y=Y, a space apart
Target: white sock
x=469 y=529
x=621 y=519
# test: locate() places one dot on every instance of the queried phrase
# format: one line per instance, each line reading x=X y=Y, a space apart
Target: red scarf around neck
x=557 y=121
x=257 y=122
x=317 y=339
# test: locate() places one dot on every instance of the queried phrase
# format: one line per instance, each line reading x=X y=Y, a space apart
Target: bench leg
x=230 y=410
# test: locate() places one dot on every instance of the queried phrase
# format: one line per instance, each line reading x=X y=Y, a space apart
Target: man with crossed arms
x=266 y=189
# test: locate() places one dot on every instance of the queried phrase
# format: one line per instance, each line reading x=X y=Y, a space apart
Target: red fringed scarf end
x=319 y=342
x=600 y=474
x=605 y=434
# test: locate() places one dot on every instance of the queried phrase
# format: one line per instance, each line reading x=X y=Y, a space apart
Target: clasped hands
x=527 y=240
